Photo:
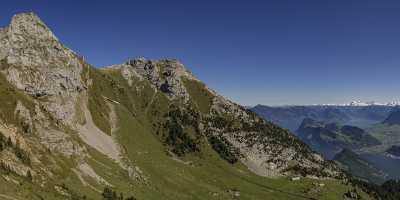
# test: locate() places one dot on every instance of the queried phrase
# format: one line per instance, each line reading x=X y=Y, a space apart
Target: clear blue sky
x=254 y=52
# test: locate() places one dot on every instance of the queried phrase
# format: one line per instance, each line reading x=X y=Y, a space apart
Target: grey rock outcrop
x=165 y=75
x=35 y=62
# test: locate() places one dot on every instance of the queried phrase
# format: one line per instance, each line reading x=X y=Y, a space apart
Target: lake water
x=387 y=164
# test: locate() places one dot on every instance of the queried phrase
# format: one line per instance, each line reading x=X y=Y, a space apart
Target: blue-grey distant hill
x=291 y=117
x=393 y=118
x=372 y=132
x=329 y=139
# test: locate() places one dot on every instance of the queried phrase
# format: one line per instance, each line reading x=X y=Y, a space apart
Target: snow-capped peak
x=363 y=103
x=394 y=103
x=373 y=103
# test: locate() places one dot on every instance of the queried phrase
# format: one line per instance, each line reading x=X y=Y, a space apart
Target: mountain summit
x=147 y=128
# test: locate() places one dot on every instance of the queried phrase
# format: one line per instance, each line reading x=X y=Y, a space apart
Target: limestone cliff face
x=55 y=80
x=37 y=63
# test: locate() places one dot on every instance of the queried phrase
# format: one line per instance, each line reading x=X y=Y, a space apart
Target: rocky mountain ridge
x=84 y=127
x=265 y=159
x=291 y=117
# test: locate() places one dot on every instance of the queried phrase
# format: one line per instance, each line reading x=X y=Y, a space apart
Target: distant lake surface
x=387 y=164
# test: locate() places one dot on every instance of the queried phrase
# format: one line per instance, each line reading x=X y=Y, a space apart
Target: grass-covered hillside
x=163 y=174
x=144 y=129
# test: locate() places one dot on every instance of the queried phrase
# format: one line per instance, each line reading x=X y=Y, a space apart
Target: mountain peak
x=26 y=17
x=372 y=103
x=30 y=24
x=168 y=66
x=35 y=62
x=27 y=41
x=141 y=59
x=168 y=75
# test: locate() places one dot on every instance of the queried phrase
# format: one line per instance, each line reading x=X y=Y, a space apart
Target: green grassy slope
x=207 y=176
x=159 y=120
x=141 y=115
x=201 y=175
x=9 y=96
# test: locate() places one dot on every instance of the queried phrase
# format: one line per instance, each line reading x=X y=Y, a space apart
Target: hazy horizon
x=263 y=52
x=312 y=104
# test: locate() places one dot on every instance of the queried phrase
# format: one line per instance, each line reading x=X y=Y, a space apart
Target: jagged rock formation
x=54 y=77
x=35 y=62
x=164 y=75
x=127 y=125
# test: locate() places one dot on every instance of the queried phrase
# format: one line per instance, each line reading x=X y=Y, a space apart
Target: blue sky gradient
x=253 y=52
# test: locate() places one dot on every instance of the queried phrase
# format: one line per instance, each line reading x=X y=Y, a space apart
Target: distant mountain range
x=291 y=117
x=370 y=131
x=366 y=103
x=329 y=139
x=143 y=129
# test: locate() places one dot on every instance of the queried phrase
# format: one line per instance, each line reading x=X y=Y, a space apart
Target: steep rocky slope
x=146 y=128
